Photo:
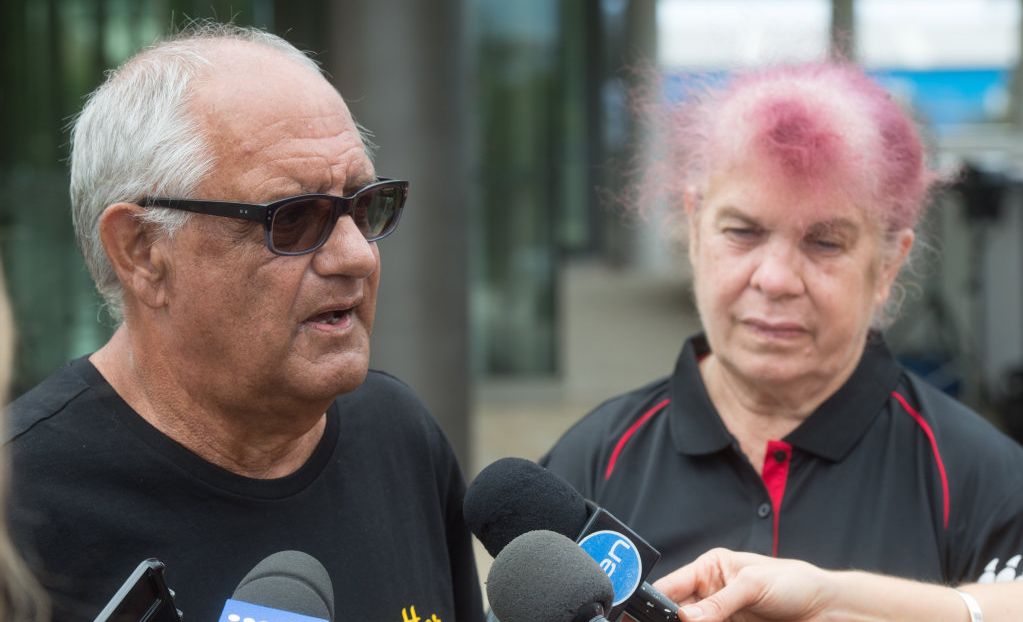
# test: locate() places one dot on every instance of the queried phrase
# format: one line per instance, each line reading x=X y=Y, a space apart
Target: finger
x=680 y=584
x=723 y=604
x=704 y=575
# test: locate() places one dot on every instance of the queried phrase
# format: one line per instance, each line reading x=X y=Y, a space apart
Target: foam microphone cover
x=513 y=495
x=291 y=581
x=542 y=576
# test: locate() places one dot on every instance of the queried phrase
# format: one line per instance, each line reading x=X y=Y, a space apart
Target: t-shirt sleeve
x=579 y=454
x=464 y=577
x=575 y=462
x=989 y=547
x=582 y=455
x=985 y=472
x=468 y=598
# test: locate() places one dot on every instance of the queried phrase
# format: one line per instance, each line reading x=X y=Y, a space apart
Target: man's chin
x=348 y=377
x=350 y=381
x=327 y=376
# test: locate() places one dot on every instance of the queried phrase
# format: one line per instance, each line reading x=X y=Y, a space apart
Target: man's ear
x=136 y=253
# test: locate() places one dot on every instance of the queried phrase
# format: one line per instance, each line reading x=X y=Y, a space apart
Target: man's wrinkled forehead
x=260 y=108
x=244 y=77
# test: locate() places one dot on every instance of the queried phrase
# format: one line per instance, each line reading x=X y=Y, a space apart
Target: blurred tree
x=52 y=54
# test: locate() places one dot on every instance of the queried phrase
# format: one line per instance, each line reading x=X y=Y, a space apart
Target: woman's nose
x=778 y=273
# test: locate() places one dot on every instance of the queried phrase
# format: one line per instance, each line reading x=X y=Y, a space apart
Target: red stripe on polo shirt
x=776 y=476
x=628 y=434
x=934 y=448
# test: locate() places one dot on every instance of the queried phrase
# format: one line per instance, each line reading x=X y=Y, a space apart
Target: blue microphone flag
x=241 y=611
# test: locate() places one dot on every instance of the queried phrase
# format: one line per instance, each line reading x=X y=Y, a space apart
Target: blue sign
x=942 y=97
x=619 y=558
x=241 y=611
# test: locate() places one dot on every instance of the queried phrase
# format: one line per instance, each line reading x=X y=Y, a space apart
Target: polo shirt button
x=764 y=510
x=781 y=455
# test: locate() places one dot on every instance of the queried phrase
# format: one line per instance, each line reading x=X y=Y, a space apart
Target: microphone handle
x=593 y=612
x=650 y=605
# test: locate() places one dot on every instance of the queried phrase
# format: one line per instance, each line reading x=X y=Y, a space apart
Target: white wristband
x=976 y=615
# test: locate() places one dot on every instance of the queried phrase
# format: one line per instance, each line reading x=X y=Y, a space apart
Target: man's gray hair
x=134 y=138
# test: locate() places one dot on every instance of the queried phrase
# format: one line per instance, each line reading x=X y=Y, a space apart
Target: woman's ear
x=136 y=253
x=895 y=256
x=691 y=205
x=691 y=199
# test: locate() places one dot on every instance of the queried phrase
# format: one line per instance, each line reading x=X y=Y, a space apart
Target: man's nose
x=779 y=272
x=346 y=252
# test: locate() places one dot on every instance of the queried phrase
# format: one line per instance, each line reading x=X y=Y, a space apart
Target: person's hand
x=723 y=585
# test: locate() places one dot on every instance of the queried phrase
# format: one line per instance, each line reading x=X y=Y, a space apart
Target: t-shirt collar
x=830 y=432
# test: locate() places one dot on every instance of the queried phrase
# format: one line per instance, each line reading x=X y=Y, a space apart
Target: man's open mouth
x=332 y=317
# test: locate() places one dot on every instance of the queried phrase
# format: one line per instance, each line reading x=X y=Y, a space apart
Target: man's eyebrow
x=351 y=185
x=359 y=182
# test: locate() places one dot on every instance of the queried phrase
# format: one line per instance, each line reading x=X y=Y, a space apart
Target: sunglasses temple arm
x=256 y=213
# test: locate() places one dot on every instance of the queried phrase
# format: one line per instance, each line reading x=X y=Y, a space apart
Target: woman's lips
x=775 y=329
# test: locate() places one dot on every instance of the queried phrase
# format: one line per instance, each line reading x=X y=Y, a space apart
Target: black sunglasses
x=302 y=224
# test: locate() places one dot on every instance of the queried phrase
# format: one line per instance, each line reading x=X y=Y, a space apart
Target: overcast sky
x=912 y=34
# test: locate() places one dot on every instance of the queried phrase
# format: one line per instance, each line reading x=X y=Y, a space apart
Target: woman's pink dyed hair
x=823 y=126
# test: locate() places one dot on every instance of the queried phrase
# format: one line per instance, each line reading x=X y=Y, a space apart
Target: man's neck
x=245 y=441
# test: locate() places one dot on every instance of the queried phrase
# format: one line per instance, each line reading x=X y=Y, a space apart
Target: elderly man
x=227 y=209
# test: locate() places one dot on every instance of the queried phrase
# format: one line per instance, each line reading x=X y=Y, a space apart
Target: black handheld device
x=143 y=597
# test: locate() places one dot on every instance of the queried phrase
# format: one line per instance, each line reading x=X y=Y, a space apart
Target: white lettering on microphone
x=610 y=563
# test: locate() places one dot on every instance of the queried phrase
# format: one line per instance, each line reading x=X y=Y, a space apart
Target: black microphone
x=513 y=496
x=289 y=586
x=143 y=597
x=542 y=576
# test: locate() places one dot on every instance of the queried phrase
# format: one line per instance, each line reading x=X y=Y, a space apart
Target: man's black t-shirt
x=96 y=490
x=888 y=475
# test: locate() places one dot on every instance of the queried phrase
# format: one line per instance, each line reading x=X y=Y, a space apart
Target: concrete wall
x=398 y=64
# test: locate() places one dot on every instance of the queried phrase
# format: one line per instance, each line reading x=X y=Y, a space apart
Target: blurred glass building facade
x=544 y=119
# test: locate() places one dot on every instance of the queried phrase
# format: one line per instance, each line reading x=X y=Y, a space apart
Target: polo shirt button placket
x=764 y=510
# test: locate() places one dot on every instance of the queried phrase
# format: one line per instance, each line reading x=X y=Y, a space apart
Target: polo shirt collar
x=830 y=432
x=839 y=423
x=696 y=427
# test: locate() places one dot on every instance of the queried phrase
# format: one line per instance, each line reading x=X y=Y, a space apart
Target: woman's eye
x=742 y=234
x=826 y=245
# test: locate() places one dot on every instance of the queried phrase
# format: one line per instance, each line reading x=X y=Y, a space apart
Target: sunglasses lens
x=303 y=224
x=300 y=225
x=376 y=211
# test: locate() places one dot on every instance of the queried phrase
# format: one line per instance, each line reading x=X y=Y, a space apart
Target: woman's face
x=787 y=283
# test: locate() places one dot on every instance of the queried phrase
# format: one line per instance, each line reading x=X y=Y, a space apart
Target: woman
x=787 y=428
x=20 y=596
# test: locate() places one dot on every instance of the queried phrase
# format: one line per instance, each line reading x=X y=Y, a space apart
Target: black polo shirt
x=887 y=475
